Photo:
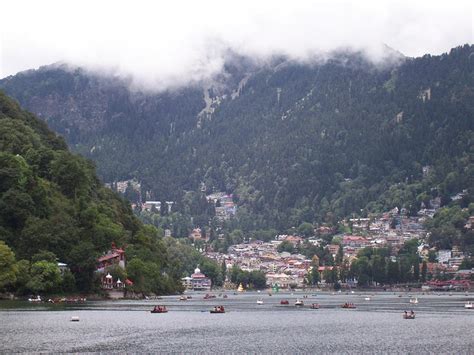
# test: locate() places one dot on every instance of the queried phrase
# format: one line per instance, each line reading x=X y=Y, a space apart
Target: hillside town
x=290 y=269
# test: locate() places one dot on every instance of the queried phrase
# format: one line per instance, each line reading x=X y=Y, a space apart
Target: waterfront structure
x=197 y=282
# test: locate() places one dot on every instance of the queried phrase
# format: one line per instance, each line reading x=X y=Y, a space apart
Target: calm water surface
x=442 y=325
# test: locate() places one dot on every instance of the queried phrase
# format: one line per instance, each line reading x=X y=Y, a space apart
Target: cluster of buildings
x=225 y=206
x=282 y=270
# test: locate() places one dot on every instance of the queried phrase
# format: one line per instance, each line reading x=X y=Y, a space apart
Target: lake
x=442 y=325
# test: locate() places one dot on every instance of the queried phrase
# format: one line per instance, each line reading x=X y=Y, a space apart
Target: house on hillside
x=114 y=257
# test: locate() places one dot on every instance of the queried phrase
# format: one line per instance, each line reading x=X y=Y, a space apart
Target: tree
x=424 y=269
x=8 y=268
x=416 y=268
x=306 y=230
x=393 y=271
x=286 y=246
x=44 y=277
x=314 y=276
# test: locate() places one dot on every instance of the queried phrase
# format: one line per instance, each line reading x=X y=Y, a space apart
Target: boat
x=209 y=296
x=225 y=296
x=183 y=298
x=37 y=299
x=349 y=305
x=314 y=306
x=75 y=300
x=409 y=315
x=468 y=305
x=260 y=302
x=299 y=302
x=74 y=319
x=218 y=309
x=414 y=300
x=367 y=298
x=284 y=302
x=159 y=309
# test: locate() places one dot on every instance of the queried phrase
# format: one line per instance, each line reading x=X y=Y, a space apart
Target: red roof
x=116 y=253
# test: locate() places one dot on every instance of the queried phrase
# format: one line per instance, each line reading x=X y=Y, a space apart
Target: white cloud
x=162 y=43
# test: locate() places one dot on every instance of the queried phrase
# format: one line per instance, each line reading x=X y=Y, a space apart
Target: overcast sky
x=160 y=42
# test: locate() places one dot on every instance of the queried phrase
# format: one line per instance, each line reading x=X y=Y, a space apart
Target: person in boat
x=412 y=313
x=406 y=313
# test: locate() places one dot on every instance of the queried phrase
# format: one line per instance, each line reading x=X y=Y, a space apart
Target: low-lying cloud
x=162 y=44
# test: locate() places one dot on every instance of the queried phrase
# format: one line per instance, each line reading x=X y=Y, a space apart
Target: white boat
x=37 y=299
x=299 y=302
x=367 y=298
x=468 y=305
x=414 y=300
x=74 y=319
x=259 y=301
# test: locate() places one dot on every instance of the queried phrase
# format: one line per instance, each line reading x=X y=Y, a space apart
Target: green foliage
x=376 y=266
x=306 y=230
x=249 y=279
x=44 y=277
x=53 y=208
x=447 y=228
x=8 y=268
x=290 y=158
x=286 y=246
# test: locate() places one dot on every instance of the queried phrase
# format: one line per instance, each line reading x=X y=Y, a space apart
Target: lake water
x=442 y=325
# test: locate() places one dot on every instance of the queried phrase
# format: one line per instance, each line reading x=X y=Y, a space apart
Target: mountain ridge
x=284 y=141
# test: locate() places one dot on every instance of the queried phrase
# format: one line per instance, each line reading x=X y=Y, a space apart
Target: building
x=114 y=257
x=197 y=282
x=150 y=205
x=196 y=234
x=354 y=241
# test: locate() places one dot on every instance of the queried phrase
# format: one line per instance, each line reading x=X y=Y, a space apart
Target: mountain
x=53 y=207
x=292 y=141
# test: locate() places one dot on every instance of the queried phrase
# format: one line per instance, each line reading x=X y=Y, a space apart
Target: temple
x=197 y=282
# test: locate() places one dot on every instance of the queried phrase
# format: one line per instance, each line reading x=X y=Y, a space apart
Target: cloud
x=170 y=43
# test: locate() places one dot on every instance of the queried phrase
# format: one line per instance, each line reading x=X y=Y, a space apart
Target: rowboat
x=159 y=309
x=299 y=303
x=218 y=309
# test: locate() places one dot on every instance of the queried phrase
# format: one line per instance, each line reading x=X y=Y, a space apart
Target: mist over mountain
x=294 y=141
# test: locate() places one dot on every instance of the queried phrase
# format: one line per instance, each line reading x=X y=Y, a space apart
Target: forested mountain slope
x=54 y=208
x=293 y=141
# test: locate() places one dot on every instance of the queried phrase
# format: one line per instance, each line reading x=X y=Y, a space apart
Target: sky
x=163 y=43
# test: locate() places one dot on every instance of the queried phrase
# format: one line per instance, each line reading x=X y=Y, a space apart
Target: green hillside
x=54 y=208
x=293 y=142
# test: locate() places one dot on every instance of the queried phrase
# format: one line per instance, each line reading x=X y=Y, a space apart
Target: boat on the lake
x=349 y=305
x=314 y=306
x=299 y=302
x=74 y=319
x=367 y=298
x=183 y=298
x=468 y=305
x=284 y=302
x=209 y=296
x=260 y=302
x=409 y=315
x=218 y=309
x=75 y=300
x=37 y=299
x=414 y=300
x=159 y=309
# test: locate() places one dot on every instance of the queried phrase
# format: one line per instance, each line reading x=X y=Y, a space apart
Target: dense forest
x=54 y=208
x=293 y=142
